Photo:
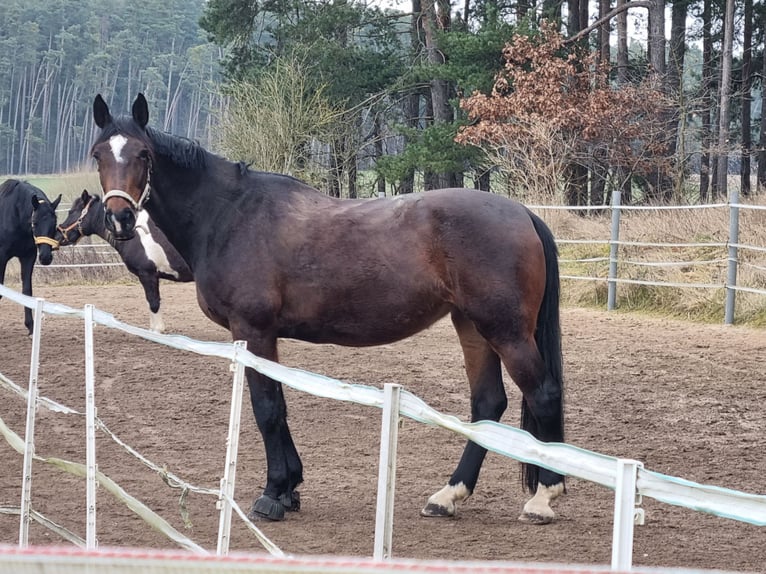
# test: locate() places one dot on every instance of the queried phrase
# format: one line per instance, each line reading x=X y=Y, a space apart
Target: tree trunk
x=725 y=90
x=604 y=32
x=576 y=185
x=434 y=20
x=707 y=101
x=761 y=180
x=656 y=40
x=747 y=46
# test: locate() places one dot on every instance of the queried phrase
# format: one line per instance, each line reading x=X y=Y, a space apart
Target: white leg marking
x=538 y=509
x=156 y=323
x=443 y=503
x=153 y=250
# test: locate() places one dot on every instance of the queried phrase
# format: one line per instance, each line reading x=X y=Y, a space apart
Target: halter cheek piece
x=42 y=240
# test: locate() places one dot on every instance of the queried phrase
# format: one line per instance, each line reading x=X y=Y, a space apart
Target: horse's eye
x=96 y=155
x=144 y=154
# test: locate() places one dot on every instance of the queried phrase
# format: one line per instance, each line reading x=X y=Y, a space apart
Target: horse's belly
x=366 y=327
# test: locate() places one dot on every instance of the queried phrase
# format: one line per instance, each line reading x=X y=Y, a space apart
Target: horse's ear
x=55 y=204
x=101 y=113
x=85 y=196
x=141 y=110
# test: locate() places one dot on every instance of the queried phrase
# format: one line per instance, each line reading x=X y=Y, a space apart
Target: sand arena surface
x=688 y=400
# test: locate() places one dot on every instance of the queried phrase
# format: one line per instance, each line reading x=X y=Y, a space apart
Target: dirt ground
x=688 y=400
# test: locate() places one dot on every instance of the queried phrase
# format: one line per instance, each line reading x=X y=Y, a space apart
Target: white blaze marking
x=116 y=143
x=154 y=250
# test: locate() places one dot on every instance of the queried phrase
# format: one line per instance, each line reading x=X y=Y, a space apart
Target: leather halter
x=42 y=239
x=78 y=224
x=137 y=205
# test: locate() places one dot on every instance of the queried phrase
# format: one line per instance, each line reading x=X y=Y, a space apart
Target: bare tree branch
x=607 y=17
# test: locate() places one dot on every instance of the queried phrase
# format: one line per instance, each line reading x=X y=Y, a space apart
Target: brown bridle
x=78 y=224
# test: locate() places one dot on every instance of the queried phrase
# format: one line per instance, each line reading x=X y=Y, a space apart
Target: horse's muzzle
x=45 y=254
x=121 y=224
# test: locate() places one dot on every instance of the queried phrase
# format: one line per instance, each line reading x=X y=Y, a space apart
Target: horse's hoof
x=538 y=519
x=291 y=501
x=267 y=508
x=433 y=510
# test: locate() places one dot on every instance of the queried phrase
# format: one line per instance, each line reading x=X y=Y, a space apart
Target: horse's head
x=124 y=156
x=80 y=220
x=44 y=226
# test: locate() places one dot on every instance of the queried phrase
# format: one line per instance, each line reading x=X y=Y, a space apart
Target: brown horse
x=274 y=258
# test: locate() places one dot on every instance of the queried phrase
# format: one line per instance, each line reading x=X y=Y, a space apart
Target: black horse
x=148 y=255
x=273 y=257
x=27 y=228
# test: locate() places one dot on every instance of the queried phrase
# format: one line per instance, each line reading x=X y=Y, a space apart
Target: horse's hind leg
x=541 y=416
x=488 y=402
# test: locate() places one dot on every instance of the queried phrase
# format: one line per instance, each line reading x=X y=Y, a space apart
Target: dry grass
x=695 y=265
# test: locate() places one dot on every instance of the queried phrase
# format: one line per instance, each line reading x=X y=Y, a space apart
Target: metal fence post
x=90 y=432
x=389 y=432
x=624 y=514
x=232 y=449
x=611 y=297
x=731 y=274
x=29 y=437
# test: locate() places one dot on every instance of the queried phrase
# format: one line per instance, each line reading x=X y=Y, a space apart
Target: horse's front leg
x=284 y=470
x=151 y=284
x=27 y=266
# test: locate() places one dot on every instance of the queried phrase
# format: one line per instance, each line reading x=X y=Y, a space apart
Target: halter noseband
x=78 y=224
x=42 y=239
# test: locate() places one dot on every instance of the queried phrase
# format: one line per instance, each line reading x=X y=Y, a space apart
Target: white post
x=614 y=250
x=731 y=272
x=90 y=433
x=624 y=514
x=29 y=437
x=384 y=513
x=232 y=447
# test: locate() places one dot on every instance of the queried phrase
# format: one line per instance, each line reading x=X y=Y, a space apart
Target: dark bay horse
x=148 y=255
x=273 y=257
x=27 y=230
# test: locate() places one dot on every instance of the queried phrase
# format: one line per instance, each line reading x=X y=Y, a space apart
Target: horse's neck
x=97 y=226
x=181 y=205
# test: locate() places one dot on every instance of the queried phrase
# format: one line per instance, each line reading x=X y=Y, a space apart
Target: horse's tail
x=548 y=338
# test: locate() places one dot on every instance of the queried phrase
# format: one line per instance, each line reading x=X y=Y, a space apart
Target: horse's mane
x=182 y=151
x=8 y=186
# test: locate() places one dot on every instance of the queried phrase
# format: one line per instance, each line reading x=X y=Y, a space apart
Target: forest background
x=531 y=98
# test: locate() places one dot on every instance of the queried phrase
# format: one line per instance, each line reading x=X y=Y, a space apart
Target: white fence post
x=611 y=295
x=389 y=433
x=232 y=448
x=90 y=432
x=624 y=513
x=29 y=437
x=731 y=274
